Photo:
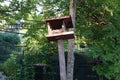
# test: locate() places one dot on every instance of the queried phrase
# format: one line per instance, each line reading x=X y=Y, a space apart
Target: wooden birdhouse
x=60 y=28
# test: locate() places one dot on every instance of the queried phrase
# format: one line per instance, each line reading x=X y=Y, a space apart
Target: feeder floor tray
x=64 y=35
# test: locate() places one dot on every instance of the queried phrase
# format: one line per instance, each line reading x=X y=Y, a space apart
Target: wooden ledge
x=64 y=36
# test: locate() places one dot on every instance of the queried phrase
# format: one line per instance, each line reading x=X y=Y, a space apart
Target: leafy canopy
x=98 y=24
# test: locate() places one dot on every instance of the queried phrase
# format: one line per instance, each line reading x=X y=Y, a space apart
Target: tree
x=99 y=26
x=8 y=48
x=17 y=10
x=8 y=41
x=70 y=57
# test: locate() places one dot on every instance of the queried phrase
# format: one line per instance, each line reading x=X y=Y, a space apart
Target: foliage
x=99 y=25
x=52 y=8
x=9 y=69
x=17 y=10
x=37 y=49
x=8 y=41
x=9 y=53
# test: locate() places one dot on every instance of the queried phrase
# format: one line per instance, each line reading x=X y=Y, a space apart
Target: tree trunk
x=70 y=57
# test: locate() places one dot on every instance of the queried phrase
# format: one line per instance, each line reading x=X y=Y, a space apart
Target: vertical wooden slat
x=62 y=60
x=63 y=27
x=49 y=29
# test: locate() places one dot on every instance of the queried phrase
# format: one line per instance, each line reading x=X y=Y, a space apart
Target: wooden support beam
x=62 y=60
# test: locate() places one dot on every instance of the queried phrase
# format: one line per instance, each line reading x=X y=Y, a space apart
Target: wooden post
x=100 y=78
x=62 y=60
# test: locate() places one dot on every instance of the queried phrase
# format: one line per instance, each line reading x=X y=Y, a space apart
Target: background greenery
x=97 y=27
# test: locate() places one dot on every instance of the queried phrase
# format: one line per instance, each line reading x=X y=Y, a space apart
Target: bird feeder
x=60 y=28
